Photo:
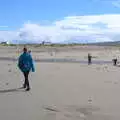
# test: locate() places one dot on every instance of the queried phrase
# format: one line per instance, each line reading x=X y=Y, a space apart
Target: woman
x=25 y=64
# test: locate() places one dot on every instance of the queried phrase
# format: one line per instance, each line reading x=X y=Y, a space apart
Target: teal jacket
x=25 y=62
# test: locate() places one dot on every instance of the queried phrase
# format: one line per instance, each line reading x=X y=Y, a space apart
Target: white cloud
x=96 y=28
x=3 y=26
x=116 y=3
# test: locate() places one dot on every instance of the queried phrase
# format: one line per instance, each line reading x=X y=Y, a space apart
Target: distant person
x=89 y=59
x=25 y=64
x=29 y=51
x=115 y=61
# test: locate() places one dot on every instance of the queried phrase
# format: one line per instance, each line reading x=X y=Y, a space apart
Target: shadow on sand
x=117 y=65
x=12 y=90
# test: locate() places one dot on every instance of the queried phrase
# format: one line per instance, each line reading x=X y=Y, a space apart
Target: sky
x=59 y=20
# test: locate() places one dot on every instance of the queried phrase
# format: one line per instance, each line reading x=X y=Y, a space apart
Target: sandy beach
x=61 y=90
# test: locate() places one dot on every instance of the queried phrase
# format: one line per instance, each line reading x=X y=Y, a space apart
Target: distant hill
x=116 y=43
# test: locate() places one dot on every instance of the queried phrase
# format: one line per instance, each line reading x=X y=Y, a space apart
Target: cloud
x=3 y=26
x=116 y=3
x=91 y=28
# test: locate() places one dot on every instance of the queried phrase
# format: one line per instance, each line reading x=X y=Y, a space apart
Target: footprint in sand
x=105 y=68
x=54 y=114
x=51 y=108
x=49 y=116
x=7 y=83
x=98 y=68
x=9 y=64
x=90 y=100
x=112 y=82
x=71 y=112
x=9 y=70
x=115 y=82
x=108 y=81
x=82 y=110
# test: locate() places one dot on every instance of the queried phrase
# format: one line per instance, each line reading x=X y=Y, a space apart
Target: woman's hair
x=24 y=49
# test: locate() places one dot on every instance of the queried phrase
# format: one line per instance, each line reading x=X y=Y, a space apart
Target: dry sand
x=61 y=91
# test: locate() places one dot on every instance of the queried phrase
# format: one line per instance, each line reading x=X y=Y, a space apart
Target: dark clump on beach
x=9 y=70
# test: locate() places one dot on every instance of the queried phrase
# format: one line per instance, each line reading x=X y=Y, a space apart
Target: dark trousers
x=89 y=61
x=26 y=83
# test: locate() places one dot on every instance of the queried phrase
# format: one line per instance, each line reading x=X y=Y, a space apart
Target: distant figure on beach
x=25 y=64
x=29 y=51
x=89 y=59
x=114 y=61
